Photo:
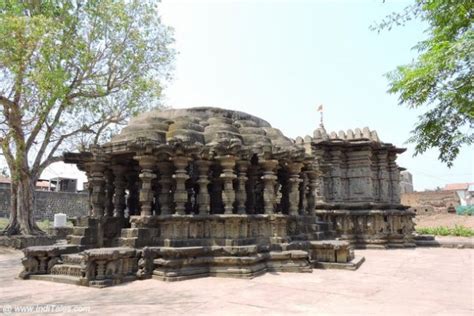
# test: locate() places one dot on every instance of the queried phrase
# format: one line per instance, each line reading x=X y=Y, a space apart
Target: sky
x=279 y=60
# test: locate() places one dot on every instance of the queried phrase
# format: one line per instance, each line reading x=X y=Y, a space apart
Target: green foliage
x=71 y=71
x=465 y=210
x=458 y=230
x=44 y=225
x=441 y=78
x=3 y=223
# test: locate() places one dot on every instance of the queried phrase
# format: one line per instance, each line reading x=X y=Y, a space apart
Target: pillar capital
x=295 y=168
x=147 y=161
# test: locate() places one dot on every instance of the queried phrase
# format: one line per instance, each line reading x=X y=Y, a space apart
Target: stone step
x=129 y=233
x=127 y=242
x=86 y=221
x=83 y=231
x=324 y=226
x=80 y=240
x=318 y=235
x=56 y=278
x=73 y=270
x=72 y=259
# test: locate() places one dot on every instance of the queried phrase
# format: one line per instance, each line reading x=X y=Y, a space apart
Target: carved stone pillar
x=180 y=194
x=119 y=194
x=97 y=181
x=394 y=178
x=241 y=194
x=228 y=194
x=383 y=177
x=336 y=175
x=165 y=168
x=203 y=198
x=109 y=192
x=322 y=194
x=156 y=193
x=89 y=191
x=147 y=164
x=269 y=179
x=294 y=169
x=313 y=187
x=320 y=197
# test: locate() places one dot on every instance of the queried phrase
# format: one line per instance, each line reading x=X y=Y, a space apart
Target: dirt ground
x=444 y=219
x=421 y=281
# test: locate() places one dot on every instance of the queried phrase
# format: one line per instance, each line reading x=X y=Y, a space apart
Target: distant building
x=406 y=182
x=41 y=184
x=440 y=200
x=4 y=182
x=428 y=202
x=58 y=184
x=63 y=184
x=470 y=195
x=465 y=192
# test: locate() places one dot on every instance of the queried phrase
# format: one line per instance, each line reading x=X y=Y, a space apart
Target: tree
x=442 y=76
x=70 y=72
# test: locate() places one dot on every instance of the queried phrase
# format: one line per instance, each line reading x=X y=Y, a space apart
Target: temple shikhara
x=198 y=192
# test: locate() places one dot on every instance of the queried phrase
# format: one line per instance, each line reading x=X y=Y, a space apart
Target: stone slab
x=354 y=264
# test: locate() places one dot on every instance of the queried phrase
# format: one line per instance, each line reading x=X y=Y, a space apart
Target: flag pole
x=320 y=110
x=321 y=123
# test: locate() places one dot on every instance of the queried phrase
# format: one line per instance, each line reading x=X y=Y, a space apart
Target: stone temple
x=198 y=192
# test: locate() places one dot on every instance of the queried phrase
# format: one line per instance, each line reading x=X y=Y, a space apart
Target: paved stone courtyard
x=425 y=281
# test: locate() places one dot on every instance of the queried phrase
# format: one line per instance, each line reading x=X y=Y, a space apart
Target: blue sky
x=280 y=59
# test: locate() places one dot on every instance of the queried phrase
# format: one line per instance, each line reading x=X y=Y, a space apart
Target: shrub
x=458 y=230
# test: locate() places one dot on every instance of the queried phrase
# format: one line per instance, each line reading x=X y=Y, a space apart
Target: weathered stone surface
x=213 y=192
x=20 y=242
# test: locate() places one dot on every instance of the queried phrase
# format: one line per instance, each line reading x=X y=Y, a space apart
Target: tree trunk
x=22 y=203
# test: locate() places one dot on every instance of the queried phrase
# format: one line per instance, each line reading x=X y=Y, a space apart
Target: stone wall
x=430 y=201
x=49 y=203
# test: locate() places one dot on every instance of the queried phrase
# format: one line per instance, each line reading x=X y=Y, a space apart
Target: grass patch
x=3 y=223
x=458 y=230
x=43 y=225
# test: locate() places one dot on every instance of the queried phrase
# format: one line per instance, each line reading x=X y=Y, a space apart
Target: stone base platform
x=372 y=228
x=221 y=230
x=20 y=242
x=104 y=267
x=245 y=267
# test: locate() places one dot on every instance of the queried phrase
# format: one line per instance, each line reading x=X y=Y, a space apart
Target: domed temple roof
x=206 y=126
x=210 y=132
